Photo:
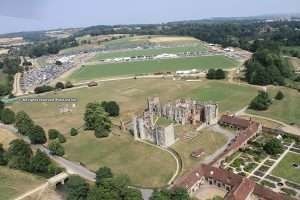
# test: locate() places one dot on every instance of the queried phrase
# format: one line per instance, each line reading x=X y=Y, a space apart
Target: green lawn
x=132 y=95
x=145 y=165
x=150 y=52
x=286 y=110
x=207 y=140
x=14 y=183
x=89 y=72
x=3 y=78
x=285 y=169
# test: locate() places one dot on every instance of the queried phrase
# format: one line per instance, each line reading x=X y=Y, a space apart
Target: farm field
x=285 y=169
x=89 y=72
x=286 y=110
x=150 y=52
x=141 y=162
x=131 y=95
x=206 y=140
x=15 y=183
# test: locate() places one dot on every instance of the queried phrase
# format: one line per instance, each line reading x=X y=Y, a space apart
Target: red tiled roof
x=235 y=121
x=241 y=187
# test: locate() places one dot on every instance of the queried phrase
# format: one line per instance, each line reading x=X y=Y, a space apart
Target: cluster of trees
x=108 y=187
x=216 y=74
x=38 y=49
x=9 y=65
x=56 y=139
x=20 y=156
x=48 y=88
x=97 y=119
x=26 y=126
x=268 y=67
x=261 y=102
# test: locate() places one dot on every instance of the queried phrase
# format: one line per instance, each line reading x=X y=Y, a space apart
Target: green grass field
x=207 y=140
x=14 y=183
x=285 y=169
x=146 y=166
x=89 y=72
x=286 y=110
x=132 y=95
x=150 y=52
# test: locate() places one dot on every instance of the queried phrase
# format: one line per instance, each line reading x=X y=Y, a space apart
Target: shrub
x=42 y=89
x=61 y=138
x=73 y=132
x=279 y=95
x=53 y=134
x=8 y=116
x=60 y=85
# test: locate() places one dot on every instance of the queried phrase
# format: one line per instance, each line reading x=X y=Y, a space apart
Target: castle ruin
x=183 y=111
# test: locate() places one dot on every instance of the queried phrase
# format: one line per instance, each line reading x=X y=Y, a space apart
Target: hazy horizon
x=34 y=15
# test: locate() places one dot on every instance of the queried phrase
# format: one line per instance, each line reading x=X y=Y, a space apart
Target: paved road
x=70 y=166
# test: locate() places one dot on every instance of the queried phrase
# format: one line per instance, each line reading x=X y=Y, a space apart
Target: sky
x=26 y=15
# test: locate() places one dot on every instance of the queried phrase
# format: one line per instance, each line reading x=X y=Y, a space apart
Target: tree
x=102 y=173
x=273 y=147
x=19 y=155
x=23 y=123
x=77 y=188
x=102 y=193
x=211 y=74
x=39 y=162
x=73 y=132
x=279 y=95
x=3 y=157
x=180 y=194
x=42 y=89
x=7 y=116
x=96 y=117
x=60 y=85
x=61 y=138
x=111 y=107
x=261 y=102
x=132 y=194
x=56 y=148
x=53 y=134
x=37 y=135
x=101 y=132
x=220 y=74
x=2 y=105
x=161 y=195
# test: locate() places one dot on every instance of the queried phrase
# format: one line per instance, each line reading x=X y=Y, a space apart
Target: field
x=6 y=137
x=14 y=183
x=285 y=169
x=131 y=95
x=89 y=72
x=286 y=110
x=149 y=52
x=207 y=140
x=142 y=163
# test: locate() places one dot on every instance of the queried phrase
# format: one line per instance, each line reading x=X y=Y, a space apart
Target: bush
x=73 y=132
x=279 y=95
x=42 y=89
x=53 y=134
x=56 y=148
x=61 y=138
x=111 y=107
x=60 y=86
x=211 y=74
x=261 y=102
x=220 y=74
x=273 y=147
x=8 y=116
